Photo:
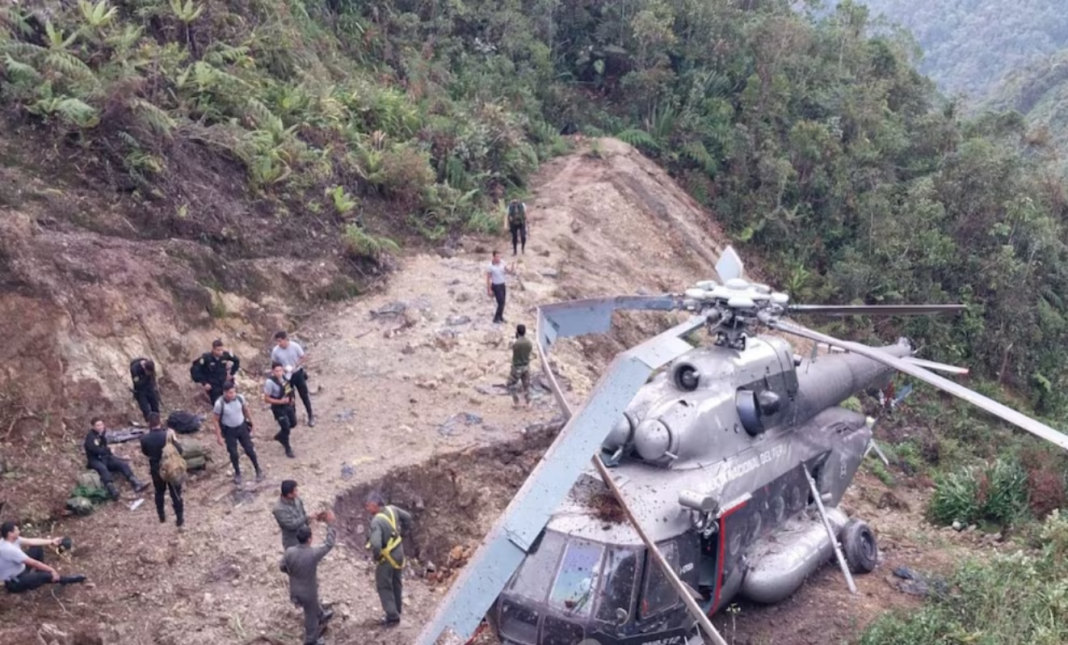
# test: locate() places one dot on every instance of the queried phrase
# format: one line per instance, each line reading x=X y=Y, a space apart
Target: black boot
x=112 y=491
x=70 y=580
x=138 y=485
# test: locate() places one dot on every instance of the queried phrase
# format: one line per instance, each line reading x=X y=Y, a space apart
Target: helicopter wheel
x=858 y=543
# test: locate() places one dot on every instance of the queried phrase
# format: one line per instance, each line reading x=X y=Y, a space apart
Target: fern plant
x=360 y=243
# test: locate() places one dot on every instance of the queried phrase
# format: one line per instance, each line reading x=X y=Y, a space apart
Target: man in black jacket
x=98 y=457
x=152 y=445
x=145 y=389
x=214 y=369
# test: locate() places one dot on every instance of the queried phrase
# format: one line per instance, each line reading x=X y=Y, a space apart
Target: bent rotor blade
x=512 y=537
x=874 y=310
x=993 y=407
x=938 y=367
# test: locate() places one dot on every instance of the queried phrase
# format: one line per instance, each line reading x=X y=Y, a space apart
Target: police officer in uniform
x=388 y=526
x=98 y=457
x=278 y=392
x=214 y=369
x=152 y=445
x=145 y=388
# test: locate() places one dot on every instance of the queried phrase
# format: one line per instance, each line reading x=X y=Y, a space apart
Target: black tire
x=859 y=547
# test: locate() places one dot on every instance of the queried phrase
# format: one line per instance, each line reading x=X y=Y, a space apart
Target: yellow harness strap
x=390 y=517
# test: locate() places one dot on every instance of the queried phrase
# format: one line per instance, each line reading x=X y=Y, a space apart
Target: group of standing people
x=300 y=558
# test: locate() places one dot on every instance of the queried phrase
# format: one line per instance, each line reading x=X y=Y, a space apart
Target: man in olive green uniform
x=522 y=348
x=301 y=562
x=388 y=525
x=289 y=513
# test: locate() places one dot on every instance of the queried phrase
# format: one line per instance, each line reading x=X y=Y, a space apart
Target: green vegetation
x=968 y=45
x=1009 y=599
x=995 y=493
x=815 y=144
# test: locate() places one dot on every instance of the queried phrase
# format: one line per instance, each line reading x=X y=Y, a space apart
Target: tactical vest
x=287 y=391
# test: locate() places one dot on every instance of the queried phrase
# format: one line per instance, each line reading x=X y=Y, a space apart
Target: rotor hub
x=731 y=307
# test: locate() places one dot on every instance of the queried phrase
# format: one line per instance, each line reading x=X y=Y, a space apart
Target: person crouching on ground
x=233 y=423
x=25 y=570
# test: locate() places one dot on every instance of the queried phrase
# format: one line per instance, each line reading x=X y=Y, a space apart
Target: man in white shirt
x=292 y=356
x=25 y=570
x=495 y=271
x=233 y=426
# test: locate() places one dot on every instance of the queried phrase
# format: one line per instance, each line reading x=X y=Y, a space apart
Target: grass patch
x=996 y=492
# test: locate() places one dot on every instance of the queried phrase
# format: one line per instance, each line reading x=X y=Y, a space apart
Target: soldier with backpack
x=233 y=423
x=517 y=224
x=166 y=465
x=278 y=392
x=145 y=388
x=213 y=369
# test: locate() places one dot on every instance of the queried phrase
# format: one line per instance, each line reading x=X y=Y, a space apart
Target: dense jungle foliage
x=819 y=146
x=969 y=45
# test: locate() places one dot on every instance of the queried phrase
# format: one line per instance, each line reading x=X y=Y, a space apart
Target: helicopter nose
x=653 y=440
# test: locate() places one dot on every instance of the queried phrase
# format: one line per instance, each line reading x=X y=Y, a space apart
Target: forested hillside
x=969 y=45
x=818 y=146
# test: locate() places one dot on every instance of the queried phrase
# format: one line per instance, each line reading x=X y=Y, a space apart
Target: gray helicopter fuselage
x=710 y=457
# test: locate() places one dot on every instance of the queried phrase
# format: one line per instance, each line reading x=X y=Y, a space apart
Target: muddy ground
x=408 y=388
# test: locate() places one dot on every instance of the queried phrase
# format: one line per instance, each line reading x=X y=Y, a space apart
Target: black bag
x=184 y=422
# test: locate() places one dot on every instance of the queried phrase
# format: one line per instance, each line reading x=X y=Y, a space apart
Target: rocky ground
x=408 y=390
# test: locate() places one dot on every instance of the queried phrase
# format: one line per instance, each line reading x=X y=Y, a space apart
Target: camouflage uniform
x=521 y=351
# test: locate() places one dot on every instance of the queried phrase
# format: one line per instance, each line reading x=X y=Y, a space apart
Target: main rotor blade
x=874 y=310
x=993 y=407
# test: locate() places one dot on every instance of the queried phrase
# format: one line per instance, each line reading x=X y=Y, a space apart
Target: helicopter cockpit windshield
x=571 y=588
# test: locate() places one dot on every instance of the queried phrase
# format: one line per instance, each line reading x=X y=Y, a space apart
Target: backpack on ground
x=184 y=422
x=517 y=214
x=172 y=467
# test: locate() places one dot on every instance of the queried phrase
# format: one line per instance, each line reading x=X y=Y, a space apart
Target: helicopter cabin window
x=538 y=568
x=658 y=594
x=576 y=581
x=621 y=568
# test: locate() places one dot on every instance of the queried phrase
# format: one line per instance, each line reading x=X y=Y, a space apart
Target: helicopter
x=728 y=461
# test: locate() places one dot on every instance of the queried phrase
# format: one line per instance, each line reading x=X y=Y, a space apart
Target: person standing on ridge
x=213 y=369
x=495 y=280
x=291 y=355
x=519 y=378
x=233 y=423
x=152 y=445
x=278 y=392
x=388 y=553
x=301 y=562
x=145 y=388
x=517 y=224
x=98 y=457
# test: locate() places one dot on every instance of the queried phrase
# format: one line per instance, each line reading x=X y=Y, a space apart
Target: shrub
x=361 y=244
x=405 y=174
x=997 y=492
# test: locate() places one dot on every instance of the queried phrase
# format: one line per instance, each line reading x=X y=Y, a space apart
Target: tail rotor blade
x=874 y=310
x=989 y=405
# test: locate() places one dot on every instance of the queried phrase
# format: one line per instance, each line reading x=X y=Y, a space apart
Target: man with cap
x=213 y=369
x=98 y=457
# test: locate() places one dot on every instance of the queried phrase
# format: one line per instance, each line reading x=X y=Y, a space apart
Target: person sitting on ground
x=23 y=571
x=98 y=457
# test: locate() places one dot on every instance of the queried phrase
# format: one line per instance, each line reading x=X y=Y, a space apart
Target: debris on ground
x=914 y=583
x=453 y=424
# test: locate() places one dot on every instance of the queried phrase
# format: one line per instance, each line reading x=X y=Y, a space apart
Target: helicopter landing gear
x=858 y=543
